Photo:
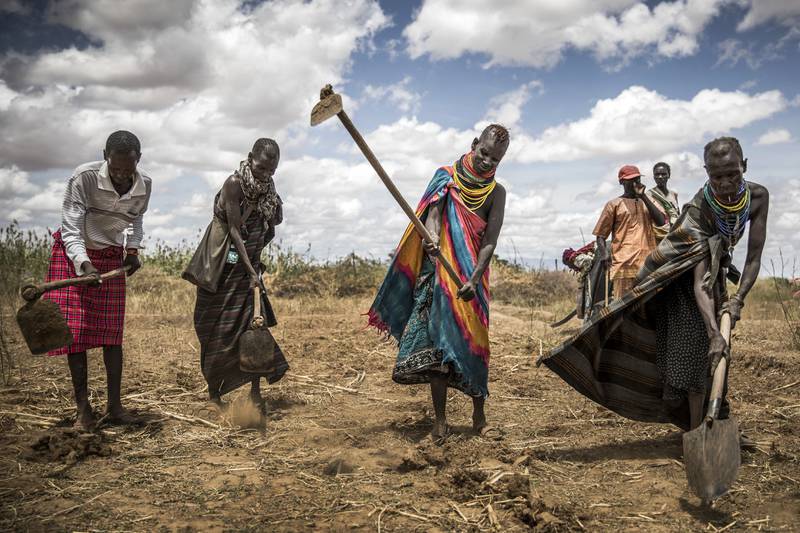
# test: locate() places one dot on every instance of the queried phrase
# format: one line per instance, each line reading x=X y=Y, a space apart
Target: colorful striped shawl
x=460 y=329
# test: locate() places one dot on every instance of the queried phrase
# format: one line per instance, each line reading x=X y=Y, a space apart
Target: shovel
x=256 y=345
x=330 y=104
x=42 y=325
x=711 y=451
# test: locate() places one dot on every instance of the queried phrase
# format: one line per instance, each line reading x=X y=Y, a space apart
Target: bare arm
x=231 y=198
x=705 y=303
x=488 y=243
x=655 y=213
x=755 y=245
x=433 y=223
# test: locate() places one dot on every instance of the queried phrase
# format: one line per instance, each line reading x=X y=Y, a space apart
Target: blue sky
x=585 y=87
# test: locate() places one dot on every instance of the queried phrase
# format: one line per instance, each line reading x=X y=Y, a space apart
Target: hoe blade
x=43 y=326
x=326 y=108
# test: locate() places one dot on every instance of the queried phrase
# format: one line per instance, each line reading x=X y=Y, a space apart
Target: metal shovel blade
x=712 y=457
x=256 y=350
x=43 y=326
x=326 y=108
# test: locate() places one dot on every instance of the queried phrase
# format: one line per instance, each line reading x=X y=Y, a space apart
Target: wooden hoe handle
x=418 y=225
x=718 y=384
x=32 y=292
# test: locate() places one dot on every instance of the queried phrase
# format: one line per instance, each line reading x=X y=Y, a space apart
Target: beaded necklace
x=730 y=218
x=473 y=189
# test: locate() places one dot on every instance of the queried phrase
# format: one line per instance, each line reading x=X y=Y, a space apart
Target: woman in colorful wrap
x=443 y=331
x=226 y=268
x=101 y=230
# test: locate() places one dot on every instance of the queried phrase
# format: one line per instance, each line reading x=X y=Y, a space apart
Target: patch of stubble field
x=344 y=448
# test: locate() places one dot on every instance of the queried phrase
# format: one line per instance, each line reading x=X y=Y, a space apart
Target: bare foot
x=259 y=402
x=490 y=432
x=85 y=420
x=479 y=423
x=440 y=430
x=121 y=417
x=483 y=429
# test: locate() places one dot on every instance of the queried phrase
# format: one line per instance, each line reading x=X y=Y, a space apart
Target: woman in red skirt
x=101 y=230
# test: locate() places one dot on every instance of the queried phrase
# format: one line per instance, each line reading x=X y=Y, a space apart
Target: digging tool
x=256 y=345
x=42 y=325
x=711 y=451
x=330 y=104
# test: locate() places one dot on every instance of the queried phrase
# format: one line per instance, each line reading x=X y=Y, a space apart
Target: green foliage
x=516 y=284
x=23 y=258
x=291 y=274
x=170 y=259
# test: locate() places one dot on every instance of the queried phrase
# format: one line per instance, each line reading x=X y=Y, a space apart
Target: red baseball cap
x=629 y=172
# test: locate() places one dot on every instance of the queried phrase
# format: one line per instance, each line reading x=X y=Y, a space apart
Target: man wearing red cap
x=629 y=219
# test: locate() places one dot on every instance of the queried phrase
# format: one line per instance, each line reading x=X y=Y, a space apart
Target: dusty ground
x=344 y=448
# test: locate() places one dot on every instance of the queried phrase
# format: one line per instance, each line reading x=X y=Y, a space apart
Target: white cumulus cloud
x=197 y=81
x=642 y=122
x=399 y=94
x=776 y=136
x=763 y=11
x=537 y=33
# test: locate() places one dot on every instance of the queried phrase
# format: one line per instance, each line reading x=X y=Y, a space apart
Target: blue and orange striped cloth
x=460 y=329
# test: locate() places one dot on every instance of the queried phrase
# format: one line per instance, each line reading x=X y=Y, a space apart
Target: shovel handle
x=418 y=225
x=717 y=385
x=32 y=292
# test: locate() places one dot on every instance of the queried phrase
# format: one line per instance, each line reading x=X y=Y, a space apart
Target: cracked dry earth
x=343 y=448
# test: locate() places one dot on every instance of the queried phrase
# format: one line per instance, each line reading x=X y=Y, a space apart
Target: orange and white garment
x=630 y=225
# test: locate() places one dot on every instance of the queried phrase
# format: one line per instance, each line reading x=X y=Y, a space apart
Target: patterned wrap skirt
x=221 y=317
x=418 y=359
x=95 y=315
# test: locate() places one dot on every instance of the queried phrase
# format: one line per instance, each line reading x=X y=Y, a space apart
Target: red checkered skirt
x=94 y=315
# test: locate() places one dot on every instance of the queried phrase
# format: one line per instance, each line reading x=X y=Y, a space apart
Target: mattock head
x=329 y=105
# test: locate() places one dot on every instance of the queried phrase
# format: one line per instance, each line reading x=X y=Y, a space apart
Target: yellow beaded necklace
x=473 y=198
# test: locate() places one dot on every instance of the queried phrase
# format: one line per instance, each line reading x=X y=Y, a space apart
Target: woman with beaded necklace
x=226 y=269
x=443 y=330
x=672 y=311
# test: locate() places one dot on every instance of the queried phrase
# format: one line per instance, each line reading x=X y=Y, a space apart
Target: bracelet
x=132 y=251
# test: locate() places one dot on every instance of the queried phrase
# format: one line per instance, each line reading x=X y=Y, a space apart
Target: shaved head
x=725 y=166
x=723 y=148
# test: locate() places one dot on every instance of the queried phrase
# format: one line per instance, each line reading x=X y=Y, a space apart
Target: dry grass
x=342 y=447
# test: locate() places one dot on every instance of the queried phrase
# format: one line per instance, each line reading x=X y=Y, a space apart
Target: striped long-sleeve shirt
x=94 y=216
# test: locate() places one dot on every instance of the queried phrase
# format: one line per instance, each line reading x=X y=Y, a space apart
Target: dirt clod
x=412 y=462
x=518 y=485
x=339 y=466
x=468 y=482
x=66 y=445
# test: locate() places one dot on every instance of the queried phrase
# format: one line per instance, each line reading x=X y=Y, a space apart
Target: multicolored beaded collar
x=730 y=218
x=473 y=188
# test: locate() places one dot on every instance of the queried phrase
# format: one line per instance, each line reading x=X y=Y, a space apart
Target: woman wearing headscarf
x=226 y=268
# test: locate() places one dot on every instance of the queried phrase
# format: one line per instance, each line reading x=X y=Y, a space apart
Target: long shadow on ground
x=661 y=447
